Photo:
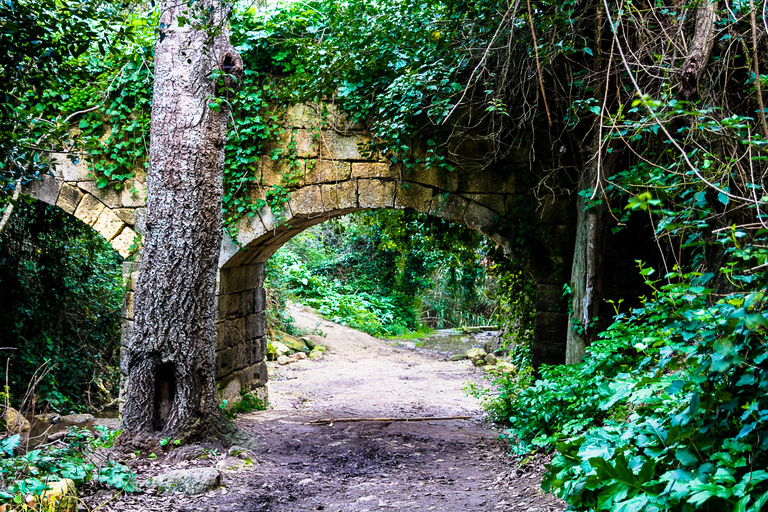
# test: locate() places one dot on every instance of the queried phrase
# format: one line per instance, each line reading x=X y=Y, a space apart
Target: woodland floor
x=456 y=465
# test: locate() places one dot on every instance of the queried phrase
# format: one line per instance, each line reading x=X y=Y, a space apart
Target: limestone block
x=107 y=195
x=339 y=196
x=411 y=195
x=267 y=218
x=258 y=347
x=230 y=332
x=520 y=206
x=254 y=376
x=71 y=168
x=551 y=327
x=130 y=273
x=89 y=209
x=375 y=170
x=496 y=202
x=133 y=193
x=124 y=241
x=128 y=305
x=376 y=193
x=449 y=207
x=127 y=215
x=549 y=297
x=306 y=144
x=256 y=325
x=547 y=352
x=272 y=171
x=482 y=181
x=69 y=198
x=327 y=171
x=244 y=277
x=480 y=218
x=306 y=201
x=45 y=189
x=229 y=250
x=229 y=389
x=302 y=116
x=231 y=359
x=334 y=146
x=434 y=177
x=243 y=303
x=108 y=224
x=249 y=227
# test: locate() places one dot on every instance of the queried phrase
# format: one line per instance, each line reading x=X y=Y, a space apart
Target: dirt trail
x=456 y=465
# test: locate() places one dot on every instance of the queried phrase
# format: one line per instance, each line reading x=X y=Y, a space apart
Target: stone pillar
x=550 y=326
x=241 y=328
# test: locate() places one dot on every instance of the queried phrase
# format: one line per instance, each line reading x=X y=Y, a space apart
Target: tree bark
x=171 y=386
x=586 y=272
x=703 y=40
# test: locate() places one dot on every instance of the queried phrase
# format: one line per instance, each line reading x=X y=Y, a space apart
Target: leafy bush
x=61 y=294
x=30 y=474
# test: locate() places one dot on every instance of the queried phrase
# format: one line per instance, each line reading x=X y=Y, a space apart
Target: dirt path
x=456 y=465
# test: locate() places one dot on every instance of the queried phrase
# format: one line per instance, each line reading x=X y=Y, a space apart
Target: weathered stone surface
x=256 y=325
x=45 y=189
x=107 y=195
x=272 y=171
x=127 y=215
x=258 y=349
x=244 y=277
x=334 y=146
x=89 y=209
x=15 y=422
x=254 y=376
x=188 y=452
x=283 y=360
x=231 y=359
x=411 y=195
x=230 y=332
x=124 y=241
x=189 y=481
x=434 y=177
x=229 y=392
x=306 y=201
x=61 y=496
x=128 y=305
x=108 y=224
x=375 y=193
x=476 y=355
x=133 y=194
x=69 y=198
x=340 y=196
x=496 y=202
x=480 y=218
x=327 y=171
x=374 y=170
x=230 y=465
x=69 y=170
x=77 y=418
x=302 y=116
x=549 y=326
x=549 y=297
x=306 y=144
x=241 y=303
x=449 y=207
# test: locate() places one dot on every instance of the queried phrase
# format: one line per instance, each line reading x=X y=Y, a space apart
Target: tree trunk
x=171 y=387
x=586 y=272
x=703 y=40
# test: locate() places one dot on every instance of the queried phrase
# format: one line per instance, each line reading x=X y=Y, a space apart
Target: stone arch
x=72 y=187
x=345 y=185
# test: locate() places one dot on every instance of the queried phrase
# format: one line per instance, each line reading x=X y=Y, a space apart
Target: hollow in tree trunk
x=171 y=390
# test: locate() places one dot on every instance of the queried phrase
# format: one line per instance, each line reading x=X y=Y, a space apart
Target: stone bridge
x=330 y=177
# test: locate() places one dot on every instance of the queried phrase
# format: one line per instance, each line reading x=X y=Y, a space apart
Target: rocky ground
x=449 y=465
